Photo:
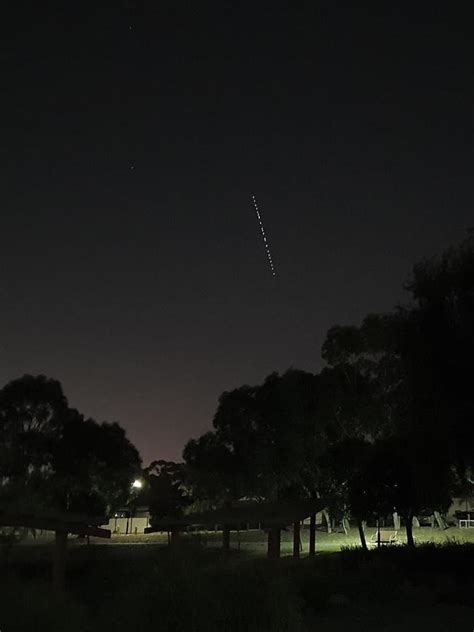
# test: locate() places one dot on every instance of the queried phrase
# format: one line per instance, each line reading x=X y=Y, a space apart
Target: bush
x=138 y=589
x=31 y=606
x=182 y=594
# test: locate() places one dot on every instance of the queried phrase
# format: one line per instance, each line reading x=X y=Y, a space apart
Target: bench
x=387 y=538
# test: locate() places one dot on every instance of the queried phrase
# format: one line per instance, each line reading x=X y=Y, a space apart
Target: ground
x=137 y=583
x=255 y=541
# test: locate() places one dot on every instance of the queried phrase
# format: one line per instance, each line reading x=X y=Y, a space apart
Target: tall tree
x=33 y=412
x=376 y=353
x=443 y=291
x=263 y=443
x=50 y=457
x=418 y=358
x=412 y=477
x=351 y=483
x=94 y=466
x=213 y=471
x=166 y=493
x=288 y=434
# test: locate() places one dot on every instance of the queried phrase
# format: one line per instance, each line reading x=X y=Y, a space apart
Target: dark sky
x=132 y=267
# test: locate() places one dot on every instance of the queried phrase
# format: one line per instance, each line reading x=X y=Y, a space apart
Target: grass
x=196 y=588
x=254 y=541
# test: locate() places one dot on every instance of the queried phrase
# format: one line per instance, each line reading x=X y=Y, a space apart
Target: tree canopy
x=54 y=458
x=380 y=428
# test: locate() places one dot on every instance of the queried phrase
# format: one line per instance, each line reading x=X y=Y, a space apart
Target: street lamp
x=137 y=484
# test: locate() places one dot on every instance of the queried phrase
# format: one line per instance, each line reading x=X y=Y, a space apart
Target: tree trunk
x=175 y=537
x=273 y=543
x=296 y=539
x=225 y=538
x=439 y=520
x=396 y=521
x=312 y=535
x=409 y=529
x=363 y=541
x=59 y=561
x=325 y=513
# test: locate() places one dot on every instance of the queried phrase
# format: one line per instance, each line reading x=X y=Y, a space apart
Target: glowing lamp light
x=137 y=484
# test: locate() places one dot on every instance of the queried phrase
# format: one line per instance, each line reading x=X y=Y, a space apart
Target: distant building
x=126 y=522
x=461 y=508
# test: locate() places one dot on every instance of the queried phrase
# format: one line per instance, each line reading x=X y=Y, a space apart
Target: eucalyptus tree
x=53 y=458
x=263 y=442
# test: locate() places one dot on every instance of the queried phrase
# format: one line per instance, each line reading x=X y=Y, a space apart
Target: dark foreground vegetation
x=137 y=588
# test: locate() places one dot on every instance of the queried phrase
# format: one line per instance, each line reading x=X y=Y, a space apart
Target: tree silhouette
x=166 y=492
x=94 y=466
x=51 y=457
x=33 y=412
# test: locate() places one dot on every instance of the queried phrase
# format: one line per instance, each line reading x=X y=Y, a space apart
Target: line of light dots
x=267 y=247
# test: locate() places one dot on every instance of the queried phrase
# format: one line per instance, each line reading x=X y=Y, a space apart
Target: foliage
x=33 y=606
x=443 y=288
x=165 y=493
x=418 y=357
x=33 y=411
x=263 y=442
x=189 y=589
x=52 y=458
x=350 y=483
x=213 y=470
x=375 y=351
x=416 y=361
x=412 y=477
x=94 y=465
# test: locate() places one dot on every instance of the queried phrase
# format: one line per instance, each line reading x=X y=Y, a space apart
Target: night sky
x=132 y=264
